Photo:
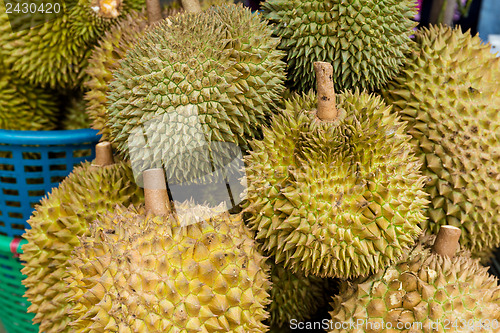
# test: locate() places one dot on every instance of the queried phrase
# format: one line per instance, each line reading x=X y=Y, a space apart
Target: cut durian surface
x=138 y=272
x=338 y=198
x=366 y=41
x=450 y=97
x=56 y=226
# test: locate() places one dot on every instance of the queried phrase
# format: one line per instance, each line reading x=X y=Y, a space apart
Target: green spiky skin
x=450 y=98
x=25 y=107
x=57 y=223
x=218 y=70
x=423 y=288
x=365 y=41
x=54 y=54
x=75 y=114
x=137 y=272
x=294 y=295
x=104 y=60
x=337 y=199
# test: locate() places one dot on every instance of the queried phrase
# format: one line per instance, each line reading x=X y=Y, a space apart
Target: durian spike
x=446 y=242
x=103 y=154
x=327 y=110
x=191 y=6
x=154 y=11
x=155 y=192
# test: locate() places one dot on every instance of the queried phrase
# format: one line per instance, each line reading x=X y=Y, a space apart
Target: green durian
x=294 y=296
x=25 y=107
x=104 y=60
x=212 y=80
x=54 y=54
x=338 y=198
x=137 y=272
x=56 y=225
x=449 y=95
x=75 y=114
x=365 y=40
x=426 y=292
x=204 y=4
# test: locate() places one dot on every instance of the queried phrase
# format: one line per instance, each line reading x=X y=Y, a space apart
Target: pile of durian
x=371 y=170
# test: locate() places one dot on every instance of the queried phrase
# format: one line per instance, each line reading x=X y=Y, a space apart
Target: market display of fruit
x=366 y=154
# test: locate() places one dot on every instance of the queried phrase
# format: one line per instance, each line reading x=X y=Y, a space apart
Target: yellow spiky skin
x=137 y=272
x=218 y=69
x=54 y=54
x=337 y=199
x=449 y=95
x=425 y=288
x=204 y=4
x=294 y=295
x=366 y=41
x=57 y=223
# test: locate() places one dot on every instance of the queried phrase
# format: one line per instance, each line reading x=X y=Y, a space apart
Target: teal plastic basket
x=13 y=305
x=31 y=164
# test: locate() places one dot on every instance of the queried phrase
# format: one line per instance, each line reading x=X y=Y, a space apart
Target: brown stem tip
x=327 y=109
x=154 y=11
x=446 y=243
x=155 y=192
x=191 y=6
x=103 y=154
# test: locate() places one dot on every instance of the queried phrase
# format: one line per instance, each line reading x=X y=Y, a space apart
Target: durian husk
x=75 y=114
x=55 y=54
x=426 y=291
x=210 y=87
x=294 y=296
x=137 y=272
x=56 y=225
x=335 y=199
x=365 y=41
x=450 y=98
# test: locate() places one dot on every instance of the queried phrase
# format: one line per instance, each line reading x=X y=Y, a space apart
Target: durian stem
x=154 y=11
x=327 y=109
x=155 y=192
x=446 y=242
x=191 y=6
x=103 y=154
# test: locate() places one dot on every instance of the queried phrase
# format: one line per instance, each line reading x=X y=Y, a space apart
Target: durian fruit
x=425 y=292
x=24 y=106
x=365 y=40
x=294 y=296
x=141 y=272
x=104 y=60
x=204 y=4
x=450 y=98
x=212 y=80
x=54 y=54
x=56 y=225
x=75 y=114
x=338 y=198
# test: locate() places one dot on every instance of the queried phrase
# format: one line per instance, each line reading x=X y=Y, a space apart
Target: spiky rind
x=366 y=41
x=423 y=290
x=54 y=54
x=57 y=223
x=449 y=96
x=104 y=60
x=193 y=86
x=136 y=272
x=337 y=199
x=75 y=114
x=25 y=107
x=294 y=295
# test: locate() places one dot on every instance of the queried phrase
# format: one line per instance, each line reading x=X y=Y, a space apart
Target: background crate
x=31 y=164
x=13 y=315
